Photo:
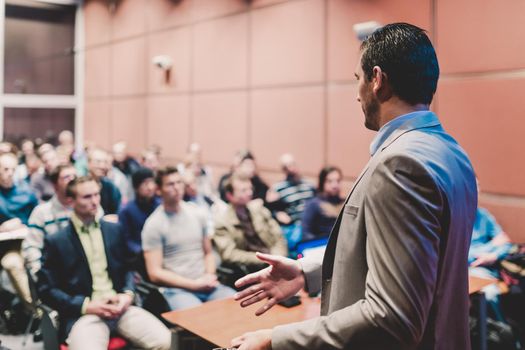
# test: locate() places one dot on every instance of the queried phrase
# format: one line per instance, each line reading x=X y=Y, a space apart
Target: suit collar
x=75 y=240
x=77 y=244
x=400 y=125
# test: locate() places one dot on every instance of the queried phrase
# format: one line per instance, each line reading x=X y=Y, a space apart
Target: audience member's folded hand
x=206 y=283
x=279 y=281
x=123 y=302
x=103 y=308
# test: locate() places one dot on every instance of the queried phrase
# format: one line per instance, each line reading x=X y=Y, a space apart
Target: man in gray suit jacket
x=394 y=274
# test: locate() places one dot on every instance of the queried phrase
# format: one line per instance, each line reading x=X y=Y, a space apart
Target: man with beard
x=134 y=214
x=394 y=273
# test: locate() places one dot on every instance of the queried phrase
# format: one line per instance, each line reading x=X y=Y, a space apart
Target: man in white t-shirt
x=177 y=249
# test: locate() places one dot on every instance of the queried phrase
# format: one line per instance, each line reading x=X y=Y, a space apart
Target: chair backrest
x=153 y=300
x=49 y=330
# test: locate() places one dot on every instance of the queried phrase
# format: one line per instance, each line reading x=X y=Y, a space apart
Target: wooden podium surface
x=220 y=321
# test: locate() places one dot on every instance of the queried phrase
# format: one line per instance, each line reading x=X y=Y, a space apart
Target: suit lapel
x=77 y=245
x=106 y=237
x=425 y=120
x=328 y=259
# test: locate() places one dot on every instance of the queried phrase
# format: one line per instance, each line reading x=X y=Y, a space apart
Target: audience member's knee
x=162 y=343
x=12 y=260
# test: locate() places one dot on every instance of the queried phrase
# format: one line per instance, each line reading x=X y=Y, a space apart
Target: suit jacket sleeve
x=48 y=290
x=403 y=208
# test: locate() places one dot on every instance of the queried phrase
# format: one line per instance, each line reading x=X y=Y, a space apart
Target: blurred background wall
x=277 y=76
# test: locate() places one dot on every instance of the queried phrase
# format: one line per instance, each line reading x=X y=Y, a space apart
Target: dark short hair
x=55 y=174
x=404 y=52
x=228 y=183
x=244 y=154
x=71 y=189
x=324 y=173
x=161 y=173
x=140 y=175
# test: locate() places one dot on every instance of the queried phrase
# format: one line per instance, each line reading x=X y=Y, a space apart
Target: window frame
x=75 y=101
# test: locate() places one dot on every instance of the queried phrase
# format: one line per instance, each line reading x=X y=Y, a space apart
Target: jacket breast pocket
x=350 y=210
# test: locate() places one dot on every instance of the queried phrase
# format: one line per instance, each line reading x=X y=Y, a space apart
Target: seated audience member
x=133 y=215
x=489 y=245
x=177 y=249
x=66 y=146
x=289 y=197
x=202 y=174
x=120 y=180
x=206 y=204
x=122 y=160
x=244 y=162
x=86 y=278
x=246 y=227
x=27 y=151
x=16 y=203
x=23 y=173
x=150 y=159
x=321 y=211
x=40 y=181
x=8 y=147
x=110 y=196
x=16 y=200
x=27 y=147
x=48 y=218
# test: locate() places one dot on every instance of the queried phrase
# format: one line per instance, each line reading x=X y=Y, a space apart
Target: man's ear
x=377 y=79
x=381 y=86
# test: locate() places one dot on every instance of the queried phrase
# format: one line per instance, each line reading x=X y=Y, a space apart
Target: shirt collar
x=59 y=206
x=387 y=129
x=80 y=227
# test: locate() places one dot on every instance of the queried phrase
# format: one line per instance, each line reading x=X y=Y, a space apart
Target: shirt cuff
x=312 y=274
x=83 y=309
x=130 y=293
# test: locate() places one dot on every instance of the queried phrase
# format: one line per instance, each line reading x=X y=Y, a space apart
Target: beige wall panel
x=216 y=172
x=348 y=139
x=486 y=117
x=162 y=14
x=175 y=44
x=343 y=45
x=220 y=53
x=97 y=76
x=480 y=35
x=168 y=124
x=128 y=122
x=128 y=67
x=262 y=3
x=288 y=120
x=271 y=177
x=97 y=22
x=129 y=18
x=97 y=123
x=510 y=215
x=219 y=125
x=287 y=43
x=206 y=9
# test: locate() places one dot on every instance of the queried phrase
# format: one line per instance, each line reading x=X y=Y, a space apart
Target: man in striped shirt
x=288 y=198
x=49 y=217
